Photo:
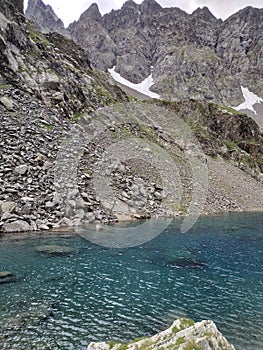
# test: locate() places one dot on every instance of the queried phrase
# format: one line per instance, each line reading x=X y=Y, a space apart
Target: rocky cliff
x=183 y=334
x=191 y=55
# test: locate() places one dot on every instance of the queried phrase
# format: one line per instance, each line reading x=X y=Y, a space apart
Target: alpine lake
x=63 y=298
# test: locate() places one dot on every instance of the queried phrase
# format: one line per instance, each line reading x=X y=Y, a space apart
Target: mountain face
x=196 y=55
x=100 y=47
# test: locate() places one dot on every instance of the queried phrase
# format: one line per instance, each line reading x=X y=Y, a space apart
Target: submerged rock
x=186 y=263
x=32 y=315
x=55 y=250
x=183 y=334
x=6 y=277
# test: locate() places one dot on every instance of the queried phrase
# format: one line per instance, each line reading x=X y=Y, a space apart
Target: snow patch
x=250 y=100
x=143 y=87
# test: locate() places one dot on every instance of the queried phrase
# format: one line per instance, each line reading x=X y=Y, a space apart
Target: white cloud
x=70 y=11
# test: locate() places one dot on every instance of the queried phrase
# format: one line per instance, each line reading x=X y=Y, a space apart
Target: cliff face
x=50 y=66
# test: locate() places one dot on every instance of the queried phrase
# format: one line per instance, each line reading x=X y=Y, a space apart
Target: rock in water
x=55 y=250
x=6 y=277
x=183 y=334
x=185 y=263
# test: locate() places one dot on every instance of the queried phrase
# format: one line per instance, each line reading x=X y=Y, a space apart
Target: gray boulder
x=17 y=226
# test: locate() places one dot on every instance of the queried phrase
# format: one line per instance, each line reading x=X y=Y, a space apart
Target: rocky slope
x=194 y=55
x=182 y=335
x=46 y=84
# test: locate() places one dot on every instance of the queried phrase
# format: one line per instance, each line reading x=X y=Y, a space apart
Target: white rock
x=17 y=226
x=7 y=207
x=21 y=169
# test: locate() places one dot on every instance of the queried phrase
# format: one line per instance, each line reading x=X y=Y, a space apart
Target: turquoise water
x=212 y=272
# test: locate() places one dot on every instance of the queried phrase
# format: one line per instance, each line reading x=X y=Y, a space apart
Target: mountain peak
x=248 y=14
x=45 y=17
x=40 y=6
x=150 y=6
x=92 y=12
x=204 y=13
x=130 y=5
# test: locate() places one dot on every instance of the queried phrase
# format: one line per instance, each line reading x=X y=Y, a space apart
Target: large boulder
x=183 y=334
x=17 y=226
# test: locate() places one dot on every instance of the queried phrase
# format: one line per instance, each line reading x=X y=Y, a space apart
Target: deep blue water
x=212 y=272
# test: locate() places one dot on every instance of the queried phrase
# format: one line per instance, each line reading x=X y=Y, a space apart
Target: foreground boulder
x=183 y=334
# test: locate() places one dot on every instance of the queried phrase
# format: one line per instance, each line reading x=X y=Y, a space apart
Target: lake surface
x=64 y=302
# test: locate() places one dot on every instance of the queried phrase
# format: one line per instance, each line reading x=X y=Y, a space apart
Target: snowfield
x=250 y=100
x=143 y=87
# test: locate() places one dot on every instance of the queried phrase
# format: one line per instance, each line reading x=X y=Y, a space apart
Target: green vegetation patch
x=180 y=341
x=186 y=323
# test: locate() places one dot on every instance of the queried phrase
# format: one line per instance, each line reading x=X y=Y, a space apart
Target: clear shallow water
x=212 y=272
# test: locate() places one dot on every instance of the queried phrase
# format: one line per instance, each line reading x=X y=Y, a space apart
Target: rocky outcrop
x=240 y=47
x=183 y=334
x=196 y=56
x=53 y=68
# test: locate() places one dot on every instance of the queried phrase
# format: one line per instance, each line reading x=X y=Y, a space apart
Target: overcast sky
x=70 y=11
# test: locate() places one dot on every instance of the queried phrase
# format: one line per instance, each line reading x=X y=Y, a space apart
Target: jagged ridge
x=196 y=56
